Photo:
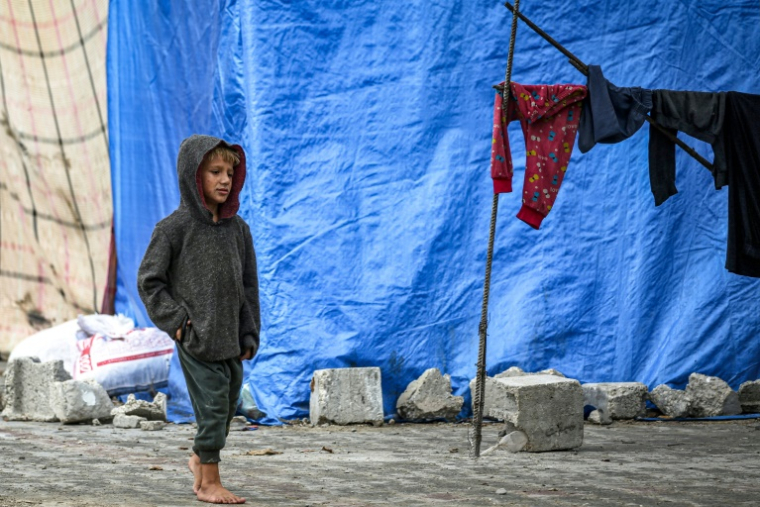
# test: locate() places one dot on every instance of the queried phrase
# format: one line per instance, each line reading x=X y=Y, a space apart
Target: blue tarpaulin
x=368 y=132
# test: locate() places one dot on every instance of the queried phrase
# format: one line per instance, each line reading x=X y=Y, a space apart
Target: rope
x=478 y=398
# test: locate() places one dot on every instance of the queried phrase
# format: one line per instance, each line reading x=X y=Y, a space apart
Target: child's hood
x=191 y=153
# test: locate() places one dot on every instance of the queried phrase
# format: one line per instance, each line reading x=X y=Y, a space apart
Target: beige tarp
x=55 y=183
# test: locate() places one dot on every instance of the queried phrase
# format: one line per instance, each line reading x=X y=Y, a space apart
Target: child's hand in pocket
x=178 y=334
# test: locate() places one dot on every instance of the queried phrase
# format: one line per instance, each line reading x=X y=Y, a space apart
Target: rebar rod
x=479 y=396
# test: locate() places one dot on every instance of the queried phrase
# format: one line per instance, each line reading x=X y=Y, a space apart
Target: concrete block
x=495 y=400
x=749 y=397
x=142 y=408
x=547 y=408
x=127 y=421
x=618 y=400
x=512 y=371
x=151 y=425
x=346 y=396
x=516 y=371
x=550 y=371
x=429 y=398
x=711 y=396
x=27 y=389
x=671 y=402
x=76 y=400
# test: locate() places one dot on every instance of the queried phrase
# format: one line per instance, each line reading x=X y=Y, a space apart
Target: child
x=199 y=283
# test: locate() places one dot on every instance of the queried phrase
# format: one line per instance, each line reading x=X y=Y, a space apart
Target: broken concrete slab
x=27 y=389
x=749 y=397
x=429 y=398
x=141 y=408
x=152 y=425
x=127 y=421
x=616 y=400
x=76 y=401
x=346 y=396
x=711 y=396
x=547 y=408
x=671 y=402
x=160 y=401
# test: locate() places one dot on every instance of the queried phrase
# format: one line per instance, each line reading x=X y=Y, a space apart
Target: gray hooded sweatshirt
x=201 y=270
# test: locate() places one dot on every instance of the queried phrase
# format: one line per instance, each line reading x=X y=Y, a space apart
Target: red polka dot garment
x=549 y=116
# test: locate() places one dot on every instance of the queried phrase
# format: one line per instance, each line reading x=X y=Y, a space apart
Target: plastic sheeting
x=367 y=127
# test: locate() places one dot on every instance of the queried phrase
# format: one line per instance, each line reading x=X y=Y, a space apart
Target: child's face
x=216 y=176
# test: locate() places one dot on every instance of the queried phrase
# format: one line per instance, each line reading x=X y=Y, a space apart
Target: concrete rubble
x=238 y=423
x=616 y=400
x=598 y=417
x=514 y=442
x=127 y=421
x=711 y=396
x=2 y=392
x=151 y=425
x=152 y=411
x=429 y=398
x=749 y=397
x=27 y=389
x=548 y=409
x=76 y=401
x=671 y=402
x=346 y=396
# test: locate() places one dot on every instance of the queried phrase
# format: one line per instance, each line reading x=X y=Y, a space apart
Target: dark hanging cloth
x=741 y=134
x=610 y=113
x=698 y=114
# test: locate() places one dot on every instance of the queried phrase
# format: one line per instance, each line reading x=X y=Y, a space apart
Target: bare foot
x=211 y=489
x=216 y=493
x=194 y=464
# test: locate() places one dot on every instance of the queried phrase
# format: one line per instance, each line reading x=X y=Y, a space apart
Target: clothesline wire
x=479 y=395
x=583 y=69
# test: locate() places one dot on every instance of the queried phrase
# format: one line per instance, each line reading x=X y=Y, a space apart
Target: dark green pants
x=214 y=388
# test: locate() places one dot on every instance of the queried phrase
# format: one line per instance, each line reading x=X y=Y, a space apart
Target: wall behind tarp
x=55 y=180
x=367 y=127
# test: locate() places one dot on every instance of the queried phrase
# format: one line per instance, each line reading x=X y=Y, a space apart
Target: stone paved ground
x=626 y=464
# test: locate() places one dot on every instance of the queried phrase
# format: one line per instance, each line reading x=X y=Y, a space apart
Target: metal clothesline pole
x=583 y=68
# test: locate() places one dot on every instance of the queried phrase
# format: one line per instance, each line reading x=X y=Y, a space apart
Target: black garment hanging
x=698 y=114
x=741 y=137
